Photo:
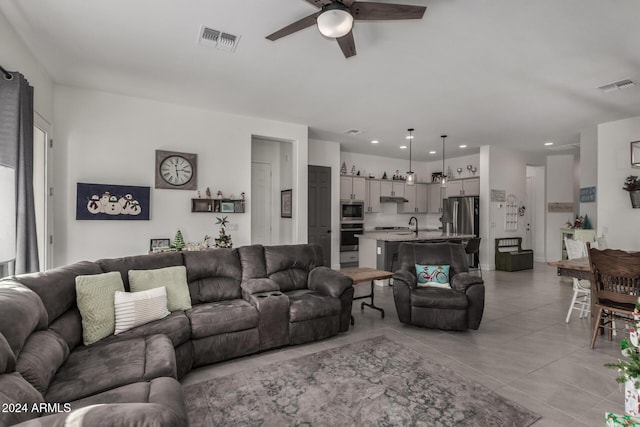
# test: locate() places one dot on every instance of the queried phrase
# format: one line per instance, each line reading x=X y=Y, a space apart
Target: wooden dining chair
x=615 y=287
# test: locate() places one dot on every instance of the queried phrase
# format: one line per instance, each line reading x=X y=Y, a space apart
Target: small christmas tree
x=178 y=241
x=224 y=241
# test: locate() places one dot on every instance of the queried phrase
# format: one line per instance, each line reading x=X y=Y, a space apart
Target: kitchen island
x=379 y=250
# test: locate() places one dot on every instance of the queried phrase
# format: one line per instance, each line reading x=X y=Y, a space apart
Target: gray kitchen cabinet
x=372 y=196
x=463 y=187
x=352 y=188
x=434 y=198
x=392 y=188
x=417 y=199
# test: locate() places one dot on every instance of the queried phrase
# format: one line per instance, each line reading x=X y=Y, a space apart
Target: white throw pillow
x=137 y=308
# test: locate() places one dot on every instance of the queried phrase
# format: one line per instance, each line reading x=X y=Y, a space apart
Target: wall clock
x=176 y=170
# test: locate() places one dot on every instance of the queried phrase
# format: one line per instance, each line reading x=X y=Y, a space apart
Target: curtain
x=16 y=150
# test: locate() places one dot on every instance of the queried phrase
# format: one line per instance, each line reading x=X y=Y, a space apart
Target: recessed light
x=548 y=143
x=403 y=147
x=432 y=152
x=375 y=141
x=463 y=146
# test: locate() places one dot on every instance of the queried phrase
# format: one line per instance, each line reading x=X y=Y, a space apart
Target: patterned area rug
x=372 y=382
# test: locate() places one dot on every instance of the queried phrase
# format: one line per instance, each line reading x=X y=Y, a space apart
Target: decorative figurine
x=207 y=193
x=224 y=241
x=199 y=196
x=178 y=241
x=353 y=170
x=343 y=169
x=242 y=195
x=384 y=175
x=219 y=194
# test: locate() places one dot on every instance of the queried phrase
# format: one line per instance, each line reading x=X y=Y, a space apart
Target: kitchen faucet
x=411 y=221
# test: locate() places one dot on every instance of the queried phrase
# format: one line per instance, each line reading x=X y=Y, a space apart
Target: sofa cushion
x=174 y=279
x=289 y=265
x=21 y=312
x=305 y=304
x=140 y=262
x=252 y=261
x=213 y=275
x=138 y=308
x=16 y=390
x=433 y=297
x=95 y=295
x=175 y=326
x=69 y=327
x=101 y=367
x=42 y=355
x=219 y=317
x=57 y=287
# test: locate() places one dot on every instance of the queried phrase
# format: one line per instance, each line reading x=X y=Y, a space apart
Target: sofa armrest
x=329 y=282
x=462 y=281
x=113 y=415
x=403 y=282
x=256 y=286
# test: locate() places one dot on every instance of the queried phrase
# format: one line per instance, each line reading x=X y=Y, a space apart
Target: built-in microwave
x=351 y=211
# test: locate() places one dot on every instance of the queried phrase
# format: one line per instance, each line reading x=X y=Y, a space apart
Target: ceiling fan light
x=335 y=23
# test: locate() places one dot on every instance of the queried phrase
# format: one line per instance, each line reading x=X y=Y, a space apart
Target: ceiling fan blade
x=296 y=26
x=365 y=11
x=347 y=3
x=319 y=3
x=347 y=44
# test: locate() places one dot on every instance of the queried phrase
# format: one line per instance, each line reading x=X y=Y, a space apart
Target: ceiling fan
x=335 y=19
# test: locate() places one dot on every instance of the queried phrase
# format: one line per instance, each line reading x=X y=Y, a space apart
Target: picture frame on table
x=227 y=207
x=286 y=203
x=156 y=244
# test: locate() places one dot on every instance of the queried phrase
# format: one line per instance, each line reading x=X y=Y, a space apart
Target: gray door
x=320 y=209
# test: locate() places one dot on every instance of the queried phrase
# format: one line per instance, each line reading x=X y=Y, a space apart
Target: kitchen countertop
x=410 y=236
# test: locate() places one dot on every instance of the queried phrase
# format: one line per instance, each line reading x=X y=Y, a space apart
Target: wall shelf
x=218 y=205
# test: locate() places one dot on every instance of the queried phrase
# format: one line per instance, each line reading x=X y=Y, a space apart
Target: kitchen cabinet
x=417 y=199
x=352 y=188
x=372 y=196
x=463 y=187
x=434 y=198
x=392 y=188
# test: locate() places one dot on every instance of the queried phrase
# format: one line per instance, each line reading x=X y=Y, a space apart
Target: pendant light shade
x=411 y=175
x=335 y=21
x=444 y=176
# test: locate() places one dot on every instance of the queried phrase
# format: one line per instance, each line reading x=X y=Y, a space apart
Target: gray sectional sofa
x=243 y=300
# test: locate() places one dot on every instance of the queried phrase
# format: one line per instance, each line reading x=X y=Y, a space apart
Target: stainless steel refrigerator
x=465 y=217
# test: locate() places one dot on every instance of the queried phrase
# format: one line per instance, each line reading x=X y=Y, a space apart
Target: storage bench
x=510 y=256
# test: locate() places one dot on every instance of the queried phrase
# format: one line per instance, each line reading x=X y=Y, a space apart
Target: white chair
x=602 y=243
x=581 y=299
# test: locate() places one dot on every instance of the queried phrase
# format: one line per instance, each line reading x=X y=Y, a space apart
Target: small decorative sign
x=112 y=202
x=587 y=194
x=498 y=195
x=286 y=203
x=560 y=207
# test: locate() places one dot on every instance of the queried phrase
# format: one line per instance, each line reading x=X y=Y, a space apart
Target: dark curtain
x=16 y=150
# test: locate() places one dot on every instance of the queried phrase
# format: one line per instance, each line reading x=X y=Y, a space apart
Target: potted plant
x=632 y=185
x=629 y=368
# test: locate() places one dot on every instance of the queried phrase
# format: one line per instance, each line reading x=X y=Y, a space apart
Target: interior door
x=261 y=208
x=319 y=223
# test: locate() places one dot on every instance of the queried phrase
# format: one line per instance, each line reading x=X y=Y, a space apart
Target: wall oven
x=348 y=239
x=351 y=211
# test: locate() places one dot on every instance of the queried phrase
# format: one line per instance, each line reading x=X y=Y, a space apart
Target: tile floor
x=523 y=350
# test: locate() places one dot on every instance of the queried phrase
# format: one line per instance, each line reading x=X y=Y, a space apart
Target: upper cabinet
x=372 y=196
x=417 y=199
x=434 y=198
x=392 y=188
x=463 y=187
x=352 y=188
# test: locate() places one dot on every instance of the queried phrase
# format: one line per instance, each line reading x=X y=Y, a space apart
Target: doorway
x=42 y=194
x=319 y=206
x=261 y=203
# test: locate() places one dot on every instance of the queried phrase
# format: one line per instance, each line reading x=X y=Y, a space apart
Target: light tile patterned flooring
x=523 y=350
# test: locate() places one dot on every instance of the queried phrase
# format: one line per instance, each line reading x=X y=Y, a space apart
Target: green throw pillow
x=172 y=278
x=94 y=296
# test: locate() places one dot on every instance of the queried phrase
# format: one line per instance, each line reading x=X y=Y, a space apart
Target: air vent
x=563 y=147
x=218 y=39
x=353 y=132
x=622 y=84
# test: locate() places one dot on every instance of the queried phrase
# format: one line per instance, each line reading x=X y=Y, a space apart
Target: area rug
x=375 y=382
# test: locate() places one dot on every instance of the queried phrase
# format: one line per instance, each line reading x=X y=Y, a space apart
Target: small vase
x=631 y=399
x=635 y=198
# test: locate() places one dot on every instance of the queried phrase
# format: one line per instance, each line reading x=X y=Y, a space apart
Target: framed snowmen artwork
x=112 y=202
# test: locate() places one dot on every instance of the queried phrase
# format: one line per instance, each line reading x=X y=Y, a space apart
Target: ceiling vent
x=218 y=39
x=353 y=132
x=622 y=84
x=563 y=147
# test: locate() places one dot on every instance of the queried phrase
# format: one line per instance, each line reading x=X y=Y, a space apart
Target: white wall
x=326 y=153
x=616 y=218
x=560 y=188
x=589 y=171
x=17 y=57
x=111 y=139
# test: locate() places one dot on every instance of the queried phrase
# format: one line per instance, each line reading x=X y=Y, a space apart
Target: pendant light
x=411 y=175
x=444 y=176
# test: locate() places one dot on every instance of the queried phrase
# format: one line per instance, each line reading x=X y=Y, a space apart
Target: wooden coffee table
x=366 y=274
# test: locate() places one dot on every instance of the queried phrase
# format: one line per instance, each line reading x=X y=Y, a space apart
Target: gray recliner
x=458 y=308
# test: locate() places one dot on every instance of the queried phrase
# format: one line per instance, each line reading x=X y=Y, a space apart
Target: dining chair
x=581 y=299
x=472 y=248
x=615 y=287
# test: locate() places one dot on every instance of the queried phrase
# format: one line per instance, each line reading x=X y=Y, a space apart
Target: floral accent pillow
x=433 y=275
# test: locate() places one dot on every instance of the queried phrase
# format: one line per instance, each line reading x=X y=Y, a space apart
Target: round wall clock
x=176 y=170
